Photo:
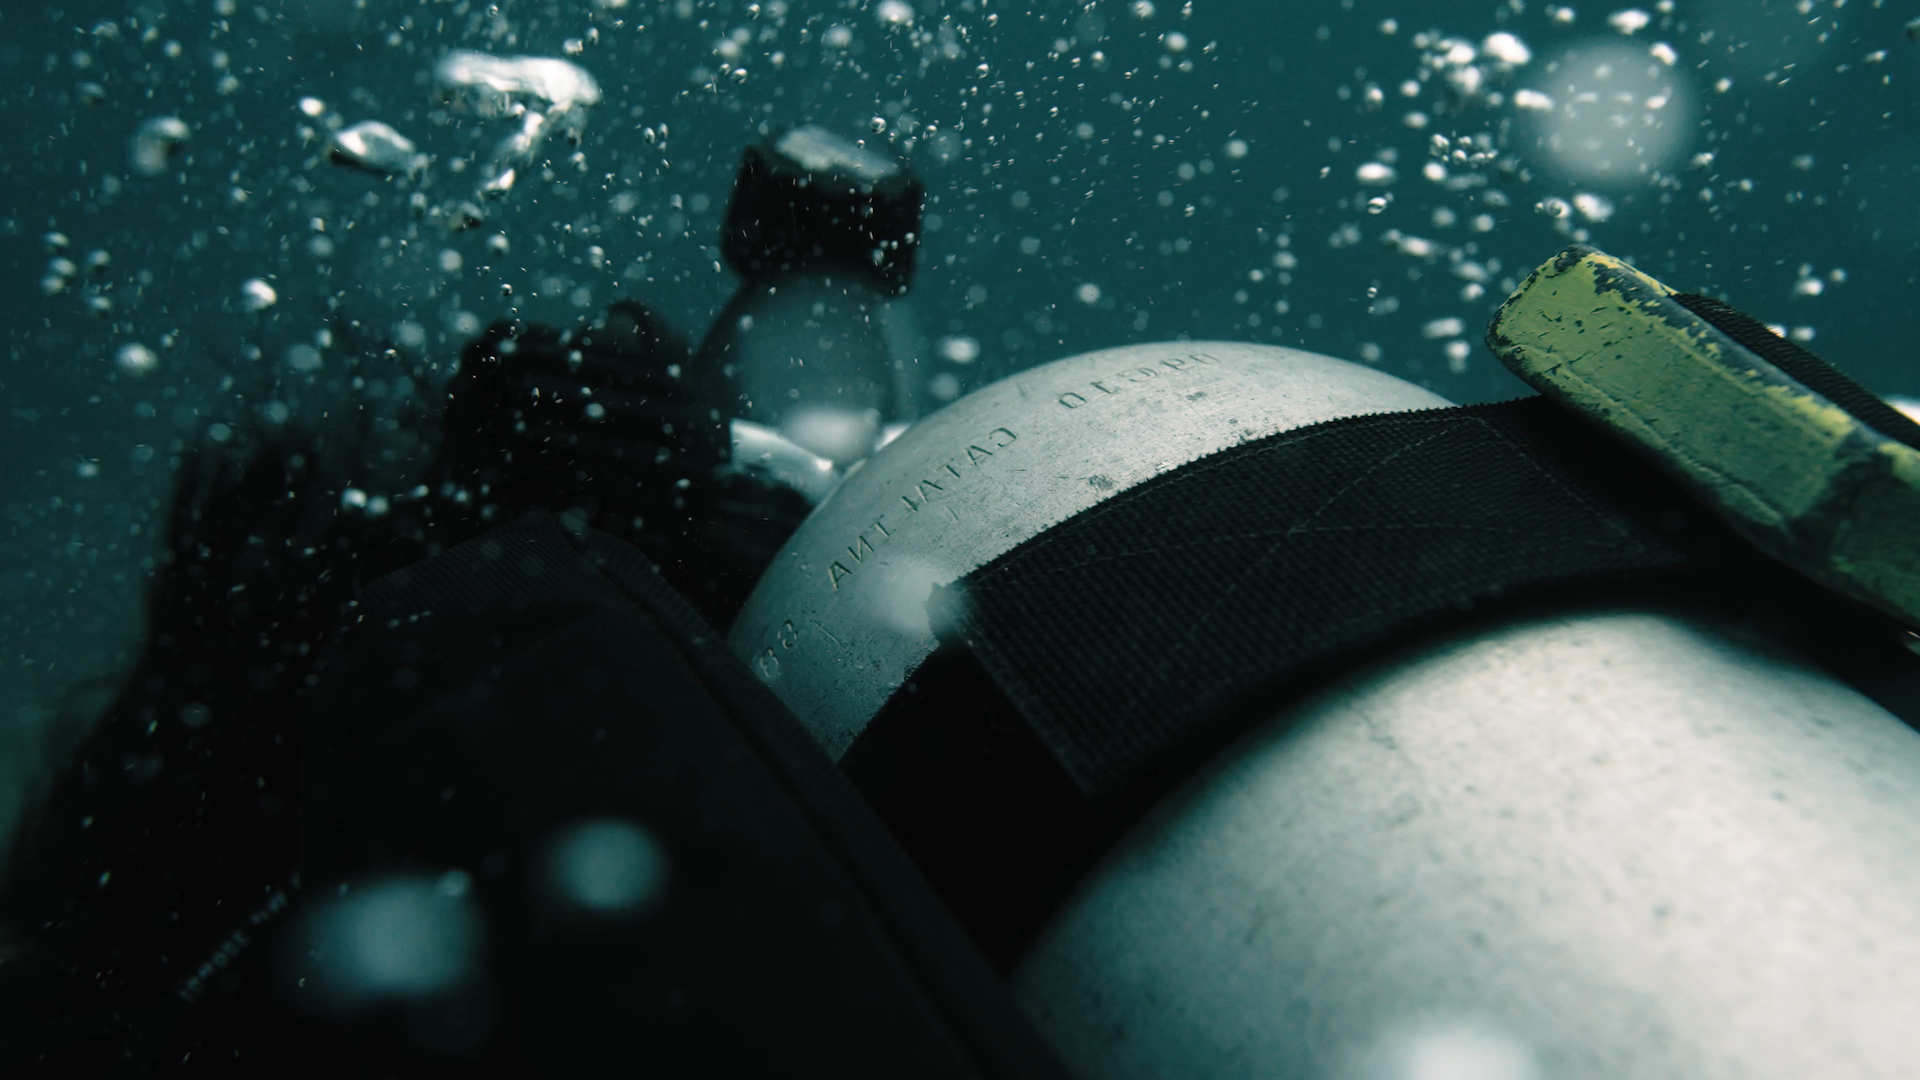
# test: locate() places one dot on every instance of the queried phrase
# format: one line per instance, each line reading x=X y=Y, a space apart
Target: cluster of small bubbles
x=542 y=95
x=60 y=269
x=356 y=499
x=1809 y=282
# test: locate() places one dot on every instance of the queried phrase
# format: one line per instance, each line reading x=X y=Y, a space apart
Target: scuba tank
x=1530 y=820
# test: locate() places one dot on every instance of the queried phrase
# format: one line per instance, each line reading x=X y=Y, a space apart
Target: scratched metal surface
x=1608 y=844
x=838 y=622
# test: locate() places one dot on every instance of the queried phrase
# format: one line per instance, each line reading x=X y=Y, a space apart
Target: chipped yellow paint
x=1790 y=469
x=1668 y=385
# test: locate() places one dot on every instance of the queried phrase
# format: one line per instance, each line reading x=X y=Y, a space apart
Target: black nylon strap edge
x=580 y=571
x=1274 y=556
x=590 y=569
x=952 y=969
x=1804 y=367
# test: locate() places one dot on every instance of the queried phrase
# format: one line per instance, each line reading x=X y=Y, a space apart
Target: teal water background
x=1098 y=174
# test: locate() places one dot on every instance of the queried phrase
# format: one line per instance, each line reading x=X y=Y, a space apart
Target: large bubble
x=607 y=867
x=397 y=938
x=1617 y=113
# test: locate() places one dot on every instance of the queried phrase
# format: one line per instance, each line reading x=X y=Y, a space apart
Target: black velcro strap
x=1122 y=632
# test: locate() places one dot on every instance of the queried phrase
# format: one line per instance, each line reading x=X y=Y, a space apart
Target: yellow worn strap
x=1793 y=472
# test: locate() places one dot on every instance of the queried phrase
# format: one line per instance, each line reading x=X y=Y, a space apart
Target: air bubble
x=1507 y=49
x=257 y=295
x=401 y=938
x=135 y=358
x=376 y=148
x=960 y=349
x=1630 y=21
x=156 y=142
x=607 y=867
x=1375 y=173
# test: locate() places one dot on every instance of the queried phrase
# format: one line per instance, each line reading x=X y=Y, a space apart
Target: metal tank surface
x=1616 y=843
x=839 y=620
x=1613 y=844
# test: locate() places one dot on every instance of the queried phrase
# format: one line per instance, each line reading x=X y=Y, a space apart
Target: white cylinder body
x=1613 y=844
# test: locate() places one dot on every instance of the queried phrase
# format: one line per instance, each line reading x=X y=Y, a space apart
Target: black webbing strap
x=1803 y=367
x=1084 y=672
x=1123 y=631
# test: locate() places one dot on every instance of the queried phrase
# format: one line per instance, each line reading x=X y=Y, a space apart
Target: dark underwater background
x=1361 y=178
